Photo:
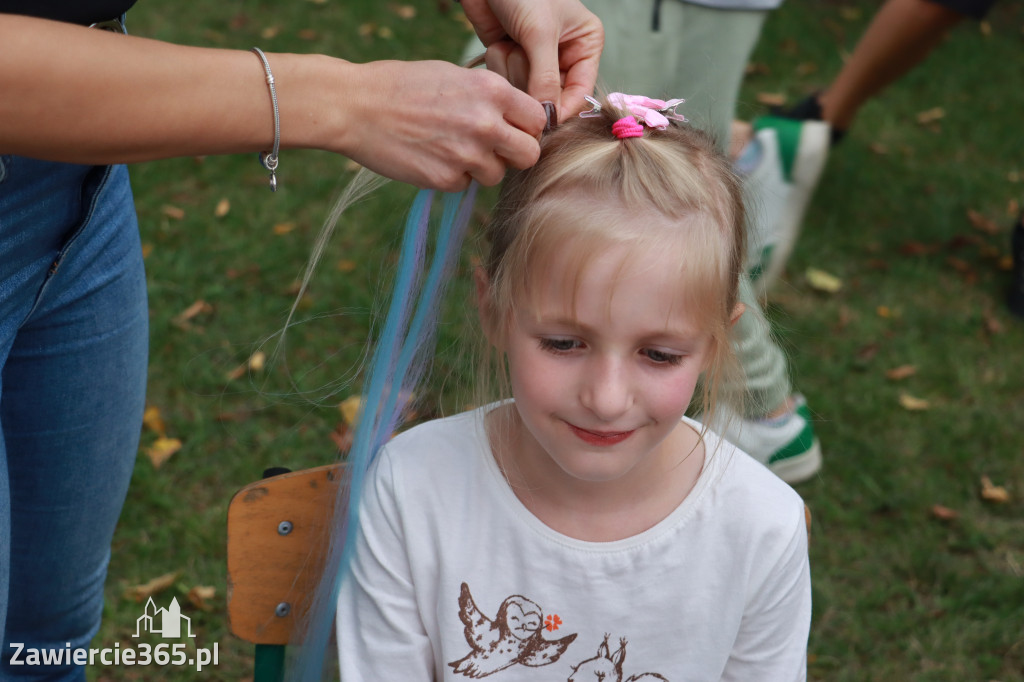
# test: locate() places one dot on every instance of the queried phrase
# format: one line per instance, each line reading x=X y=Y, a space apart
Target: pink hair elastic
x=627 y=126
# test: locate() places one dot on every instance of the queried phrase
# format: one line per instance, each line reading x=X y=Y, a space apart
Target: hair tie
x=627 y=126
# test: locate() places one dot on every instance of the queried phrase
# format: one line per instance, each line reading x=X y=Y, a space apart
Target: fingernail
x=551 y=114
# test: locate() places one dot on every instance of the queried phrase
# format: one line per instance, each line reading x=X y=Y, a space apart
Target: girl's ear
x=737 y=313
x=484 y=305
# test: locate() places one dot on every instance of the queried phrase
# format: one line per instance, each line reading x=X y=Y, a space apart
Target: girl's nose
x=606 y=389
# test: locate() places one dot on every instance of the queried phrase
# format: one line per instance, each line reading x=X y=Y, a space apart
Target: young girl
x=547 y=535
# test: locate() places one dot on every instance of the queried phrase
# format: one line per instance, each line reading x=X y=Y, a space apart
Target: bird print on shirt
x=513 y=637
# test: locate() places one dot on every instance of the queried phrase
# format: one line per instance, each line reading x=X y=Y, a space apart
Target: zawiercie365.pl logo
x=168 y=623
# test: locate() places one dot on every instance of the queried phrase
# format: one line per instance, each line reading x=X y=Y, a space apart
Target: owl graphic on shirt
x=512 y=637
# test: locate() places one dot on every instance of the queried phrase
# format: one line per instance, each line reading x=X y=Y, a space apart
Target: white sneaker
x=786 y=445
x=781 y=167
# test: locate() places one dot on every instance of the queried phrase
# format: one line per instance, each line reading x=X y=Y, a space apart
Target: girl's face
x=603 y=368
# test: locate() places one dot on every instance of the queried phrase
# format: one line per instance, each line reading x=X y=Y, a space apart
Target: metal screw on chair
x=283 y=609
x=284 y=528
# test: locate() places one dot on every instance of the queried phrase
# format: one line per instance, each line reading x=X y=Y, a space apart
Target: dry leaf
x=349 y=408
x=307 y=34
x=771 y=99
x=757 y=69
x=993 y=493
x=404 y=11
x=343 y=437
x=152 y=420
x=366 y=30
x=1013 y=176
x=146 y=250
x=284 y=228
x=884 y=311
x=1012 y=208
x=223 y=207
x=257 y=361
x=270 y=32
x=878 y=148
x=161 y=450
x=909 y=402
x=173 y=212
x=931 y=115
x=346 y=265
x=200 y=306
x=900 y=373
x=823 y=281
x=806 y=68
x=385 y=32
x=985 y=28
x=944 y=513
x=1005 y=263
x=144 y=591
x=981 y=223
x=200 y=595
x=992 y=324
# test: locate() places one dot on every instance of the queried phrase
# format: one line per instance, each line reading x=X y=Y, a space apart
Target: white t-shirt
x=453 y=578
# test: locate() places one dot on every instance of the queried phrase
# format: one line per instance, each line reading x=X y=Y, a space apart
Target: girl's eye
x=661 y=357
x=558 y=345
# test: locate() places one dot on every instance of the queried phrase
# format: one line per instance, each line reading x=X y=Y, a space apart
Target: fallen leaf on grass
x=308 y=34
x=270 y=32
x=900 y=373
x=346 y=265
x=944 y=513
x=771 y=99
x=183 y=318
x=385 y=33
x=223 y=208
x=823 y=281
x=403 y=11
x=284 y=228
x=349 y=408
x=985 y=28
x=886 y=312
x=152 y=420
x=161 y=450
x=993 y=493
x=173 y=212
x=878 y=149
x=806 y=68
x=146 y=250
x=931 y=115
x=255 y=363
x=200 y=595
x=981 y=223
x=909 y=402
x=343 y=437
x=992 y=324
x=144 y=591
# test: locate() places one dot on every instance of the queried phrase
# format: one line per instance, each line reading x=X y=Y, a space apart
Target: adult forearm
x=82 y=95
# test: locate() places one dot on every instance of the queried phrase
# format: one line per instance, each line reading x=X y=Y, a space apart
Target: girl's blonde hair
x=573 y=202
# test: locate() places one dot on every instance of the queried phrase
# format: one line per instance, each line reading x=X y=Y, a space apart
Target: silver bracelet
x=269 y=161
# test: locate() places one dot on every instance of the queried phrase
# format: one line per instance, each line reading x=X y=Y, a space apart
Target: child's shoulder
x=750 y=490
x=439 y=441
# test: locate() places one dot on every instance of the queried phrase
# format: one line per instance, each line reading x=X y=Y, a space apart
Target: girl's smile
x=600 y=437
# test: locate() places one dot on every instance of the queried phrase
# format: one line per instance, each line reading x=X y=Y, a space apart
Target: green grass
x=899 y=594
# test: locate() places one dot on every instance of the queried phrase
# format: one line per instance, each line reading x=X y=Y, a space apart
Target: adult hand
x=433 y=124
x=551 y=46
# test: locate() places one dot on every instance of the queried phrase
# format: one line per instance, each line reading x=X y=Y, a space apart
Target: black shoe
x=1015 y=299
x=808 y=109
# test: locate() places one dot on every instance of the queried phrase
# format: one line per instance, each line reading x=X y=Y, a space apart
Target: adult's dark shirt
x=74 y=11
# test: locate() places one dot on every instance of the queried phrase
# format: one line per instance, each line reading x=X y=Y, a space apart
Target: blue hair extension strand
x=404 y=348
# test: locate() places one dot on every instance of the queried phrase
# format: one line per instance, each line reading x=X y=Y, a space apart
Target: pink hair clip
x=655 y=113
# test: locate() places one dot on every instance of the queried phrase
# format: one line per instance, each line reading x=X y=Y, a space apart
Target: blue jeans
x=73 y=348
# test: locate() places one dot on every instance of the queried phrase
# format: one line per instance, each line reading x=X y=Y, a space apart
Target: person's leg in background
x=71 y=400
